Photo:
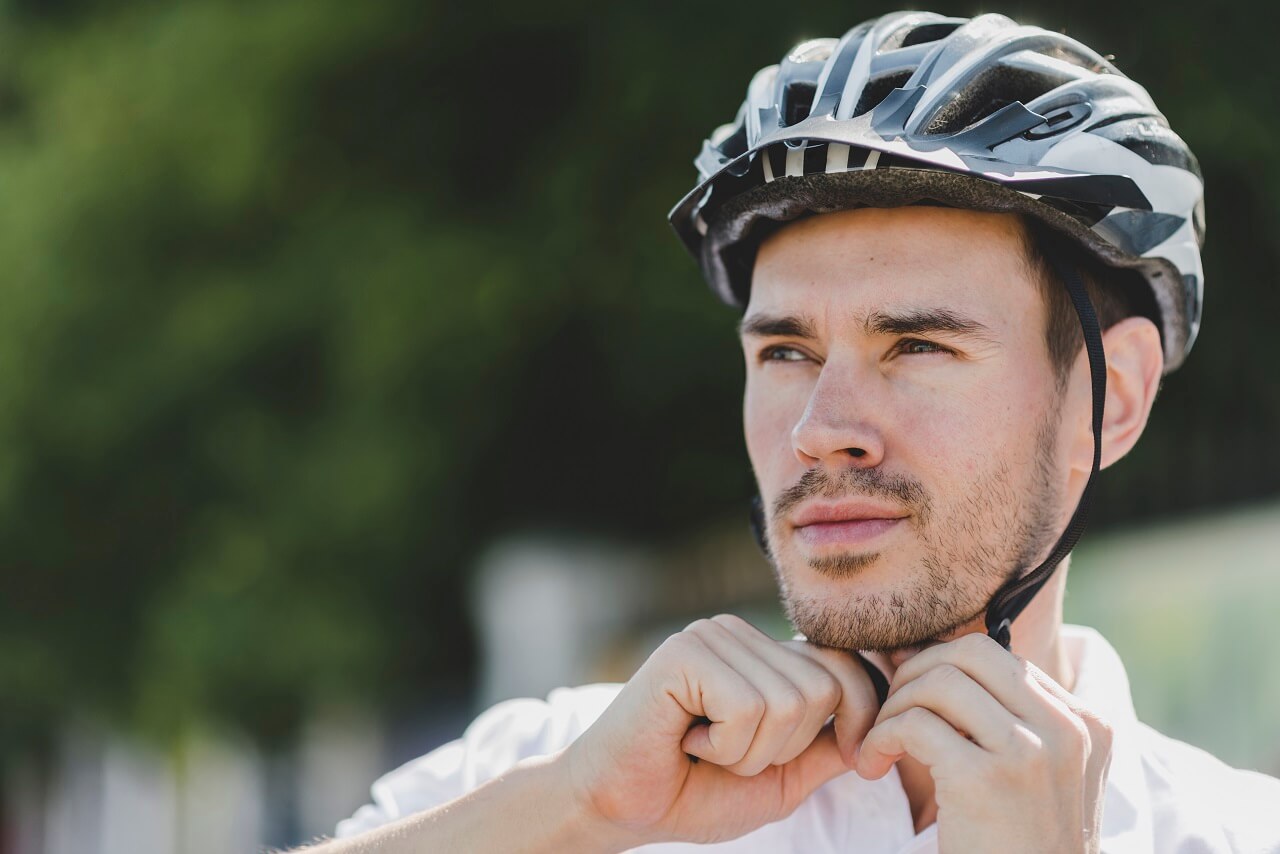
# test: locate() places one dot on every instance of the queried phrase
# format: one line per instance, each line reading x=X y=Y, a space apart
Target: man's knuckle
x=916 y=716
x=729 y=755
x=1068 y=735
x=729 y=621
x=788 y=706
x=1078 y=738
x=1023 y=744
x=1102 y=732
x=753 y=703
x=946 y=675
x=699 y=625
x=825 y=690
x=684 y=642
x=975 y=642
x=673 y=644
x=747 y=769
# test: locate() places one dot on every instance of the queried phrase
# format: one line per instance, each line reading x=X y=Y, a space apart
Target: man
x=966 y=252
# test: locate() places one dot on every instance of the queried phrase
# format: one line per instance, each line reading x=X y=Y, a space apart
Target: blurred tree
x=305 y=301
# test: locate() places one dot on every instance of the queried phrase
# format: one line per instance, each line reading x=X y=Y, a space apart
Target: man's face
x=902 y=420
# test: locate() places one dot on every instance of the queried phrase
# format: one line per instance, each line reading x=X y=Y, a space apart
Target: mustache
x=854 y=483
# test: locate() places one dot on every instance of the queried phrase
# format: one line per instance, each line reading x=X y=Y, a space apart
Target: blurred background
x=351 y=380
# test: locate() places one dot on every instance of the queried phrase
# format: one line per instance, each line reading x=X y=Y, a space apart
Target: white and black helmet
x=979 y=113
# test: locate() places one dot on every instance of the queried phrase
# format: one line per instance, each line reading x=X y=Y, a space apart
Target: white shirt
x=1162 y=795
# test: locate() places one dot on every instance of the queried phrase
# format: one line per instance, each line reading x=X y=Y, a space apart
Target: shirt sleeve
x=496 y=740
x=1201 y=804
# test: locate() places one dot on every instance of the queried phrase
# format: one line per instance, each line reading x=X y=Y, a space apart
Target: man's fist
x=754 y=711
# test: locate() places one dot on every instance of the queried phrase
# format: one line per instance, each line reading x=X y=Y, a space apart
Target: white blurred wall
x=209 y=795
x=548 y=609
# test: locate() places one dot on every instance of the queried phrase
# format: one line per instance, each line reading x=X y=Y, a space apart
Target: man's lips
x=844 y=511
x=847 y=523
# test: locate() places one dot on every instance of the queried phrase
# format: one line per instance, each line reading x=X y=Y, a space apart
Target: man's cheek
x=767 y=426
x=942 y=439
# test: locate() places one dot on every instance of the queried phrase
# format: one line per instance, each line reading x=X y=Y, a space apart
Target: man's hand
x=1018 y=764
x=752 y=709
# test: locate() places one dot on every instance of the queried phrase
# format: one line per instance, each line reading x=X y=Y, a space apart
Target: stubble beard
x=990 y=536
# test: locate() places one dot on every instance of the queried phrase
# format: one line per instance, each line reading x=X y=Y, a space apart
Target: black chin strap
x=1009 y=600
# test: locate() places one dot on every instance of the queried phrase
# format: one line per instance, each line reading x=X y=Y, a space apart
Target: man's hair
x=1116 y=293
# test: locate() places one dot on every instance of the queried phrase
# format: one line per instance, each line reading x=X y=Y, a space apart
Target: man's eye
x=915 y=345
x=782 y=354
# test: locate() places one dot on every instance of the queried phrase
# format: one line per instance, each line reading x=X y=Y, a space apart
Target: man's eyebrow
x=922 y=321
x=912 y=322
x=764 y=325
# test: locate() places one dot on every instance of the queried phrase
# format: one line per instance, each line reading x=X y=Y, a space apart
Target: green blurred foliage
x=305 y=301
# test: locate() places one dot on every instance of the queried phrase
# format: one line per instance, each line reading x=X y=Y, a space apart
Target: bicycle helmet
x=980 y=113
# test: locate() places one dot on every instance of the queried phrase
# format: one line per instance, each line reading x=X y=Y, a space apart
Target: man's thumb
x=820 y=762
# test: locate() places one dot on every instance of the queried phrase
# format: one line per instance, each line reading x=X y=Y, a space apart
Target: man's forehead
x=858 y=292
x=872 y=226
x=858 y=267
x=938 y=243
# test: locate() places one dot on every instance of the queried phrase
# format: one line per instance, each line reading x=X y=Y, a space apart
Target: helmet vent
x=1077 y=58
x=736 y=143
x=927 y=33
x=878 y=88
x=797 y=101
x=992 y=89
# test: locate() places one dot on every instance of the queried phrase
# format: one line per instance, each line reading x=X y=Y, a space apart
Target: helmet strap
x=1010 y=599
x=757 y=526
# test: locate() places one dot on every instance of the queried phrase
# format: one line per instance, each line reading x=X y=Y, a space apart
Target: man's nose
x=838 y=428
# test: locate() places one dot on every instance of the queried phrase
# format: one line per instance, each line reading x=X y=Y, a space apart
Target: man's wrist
x=583 y=828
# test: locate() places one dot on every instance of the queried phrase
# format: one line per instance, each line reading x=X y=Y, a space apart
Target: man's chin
x=839 y=563
x=842 y=572
x=887 y=606
x=891 y=659
x=901 y=655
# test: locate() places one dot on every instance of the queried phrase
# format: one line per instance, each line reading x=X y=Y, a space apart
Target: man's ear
x=1135 y=361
